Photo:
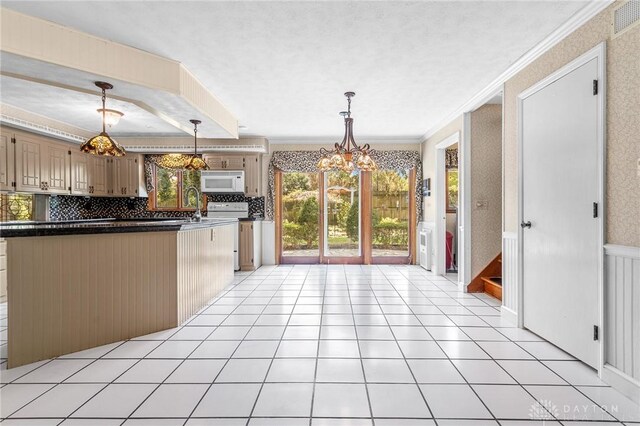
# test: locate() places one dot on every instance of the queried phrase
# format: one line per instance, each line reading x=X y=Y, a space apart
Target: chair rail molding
x=622 y=319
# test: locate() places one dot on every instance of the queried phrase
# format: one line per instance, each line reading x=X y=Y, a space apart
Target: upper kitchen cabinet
x=252 y=174
x=224 y=162
x=80 y=173
x=7 y=161
x=99 y=174
x=42 y=166
x=128 y=176
x=250 y=164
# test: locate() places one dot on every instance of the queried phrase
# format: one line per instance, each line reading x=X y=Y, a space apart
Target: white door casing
x=561 y=151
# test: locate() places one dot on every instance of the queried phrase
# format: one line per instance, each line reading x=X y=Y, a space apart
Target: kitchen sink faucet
x=197 y=216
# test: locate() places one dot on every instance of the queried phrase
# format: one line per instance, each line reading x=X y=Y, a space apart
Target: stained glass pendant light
x=103 y=144
x=343 y=154
x=195 y=161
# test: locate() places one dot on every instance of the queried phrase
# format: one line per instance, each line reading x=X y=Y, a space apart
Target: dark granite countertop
x=102 y=226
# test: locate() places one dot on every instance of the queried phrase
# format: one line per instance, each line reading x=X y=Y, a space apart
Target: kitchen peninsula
x=81 y=284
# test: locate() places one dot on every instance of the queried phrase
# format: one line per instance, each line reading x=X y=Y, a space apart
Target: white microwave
x=222 y=182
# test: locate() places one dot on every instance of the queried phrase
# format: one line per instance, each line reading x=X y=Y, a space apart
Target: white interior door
x=560 y=172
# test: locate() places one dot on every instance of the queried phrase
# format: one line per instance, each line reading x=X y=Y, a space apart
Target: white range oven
x=226 y=210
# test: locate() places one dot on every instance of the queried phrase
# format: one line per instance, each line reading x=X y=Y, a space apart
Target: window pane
x=342 y=213
x=300 y=214
x=190 y=179
x=166 y=188
x=390 y=214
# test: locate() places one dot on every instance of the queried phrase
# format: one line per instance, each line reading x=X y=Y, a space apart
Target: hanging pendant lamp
x=195 y=161
x=103 y=144
x=343 y=154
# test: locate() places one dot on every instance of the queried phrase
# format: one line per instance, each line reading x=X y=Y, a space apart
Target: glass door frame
x=366 y=243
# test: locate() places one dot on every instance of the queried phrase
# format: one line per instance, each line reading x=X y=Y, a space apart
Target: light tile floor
x=318 y=345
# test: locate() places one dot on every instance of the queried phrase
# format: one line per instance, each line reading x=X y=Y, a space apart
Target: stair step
x=493 y=280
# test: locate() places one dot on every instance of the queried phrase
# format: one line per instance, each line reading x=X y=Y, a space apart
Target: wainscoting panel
x=622 y=309
x=510 y=271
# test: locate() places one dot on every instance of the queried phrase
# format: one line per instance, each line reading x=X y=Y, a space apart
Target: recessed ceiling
x=79 y=109
x=281 y=67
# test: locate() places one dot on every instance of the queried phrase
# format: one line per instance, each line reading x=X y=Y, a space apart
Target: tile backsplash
x=68 y=207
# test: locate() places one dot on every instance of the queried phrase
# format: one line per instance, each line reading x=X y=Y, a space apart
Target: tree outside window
x=171 y=189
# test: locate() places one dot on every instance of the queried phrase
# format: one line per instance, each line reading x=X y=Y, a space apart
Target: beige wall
x=266 y=158
x=429 y=164
x=486 y=186
x=623 y=122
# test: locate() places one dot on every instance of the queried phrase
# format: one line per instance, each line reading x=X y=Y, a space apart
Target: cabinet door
x=234 y=162
x=56 y=168
x=117 y=168
x=246 y=246
x=215 y=162
x=98 y=175
x=252 y=176
x=7 y=161
x=79 y=173
x=131 y=178
x=28 y=163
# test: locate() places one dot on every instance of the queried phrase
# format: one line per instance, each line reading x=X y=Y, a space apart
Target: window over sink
x=170 y=191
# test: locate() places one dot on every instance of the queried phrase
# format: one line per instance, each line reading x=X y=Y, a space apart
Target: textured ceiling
x=79 y=108
x=281 y=67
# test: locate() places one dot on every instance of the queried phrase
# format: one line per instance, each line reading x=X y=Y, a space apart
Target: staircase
x=489 y=280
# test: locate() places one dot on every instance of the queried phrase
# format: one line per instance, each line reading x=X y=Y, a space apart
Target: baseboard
x=508 y=315
x=623 y=383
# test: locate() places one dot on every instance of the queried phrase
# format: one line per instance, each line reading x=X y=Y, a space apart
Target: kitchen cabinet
x=56 y=170
x=42 y=166
x=252 y=175
x=3 y=270
x=7 y=161
x=224 y=162
x=250 y=245
x=79 y=173
x=99 y=175
x=251 y=164
x=128 y=176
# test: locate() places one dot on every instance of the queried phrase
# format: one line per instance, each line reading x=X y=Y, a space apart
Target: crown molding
x=332 y=140
x=576 y=21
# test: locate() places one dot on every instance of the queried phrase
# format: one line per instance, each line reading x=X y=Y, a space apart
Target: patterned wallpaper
x=623 y=125
x=486 y=178
x=67 y=207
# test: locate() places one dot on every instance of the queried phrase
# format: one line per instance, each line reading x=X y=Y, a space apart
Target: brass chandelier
x=343 y=154
x=193 y=162
x=102 y=144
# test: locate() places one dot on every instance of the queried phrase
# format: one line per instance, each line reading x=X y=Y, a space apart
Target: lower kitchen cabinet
x=250 y=245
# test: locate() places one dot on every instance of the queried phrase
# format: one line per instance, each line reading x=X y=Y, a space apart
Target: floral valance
x=305 y=161
x=451 y=158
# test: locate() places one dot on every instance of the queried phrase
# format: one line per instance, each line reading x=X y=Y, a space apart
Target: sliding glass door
x=340 y=217
x=300 y=217
x=341 y=208
x=390 y=213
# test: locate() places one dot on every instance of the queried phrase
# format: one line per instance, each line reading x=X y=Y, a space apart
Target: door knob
x=525 y=224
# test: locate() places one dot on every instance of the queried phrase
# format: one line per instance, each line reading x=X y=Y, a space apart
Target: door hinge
x=595 y=87
x=596 y=333
x=595 y=210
